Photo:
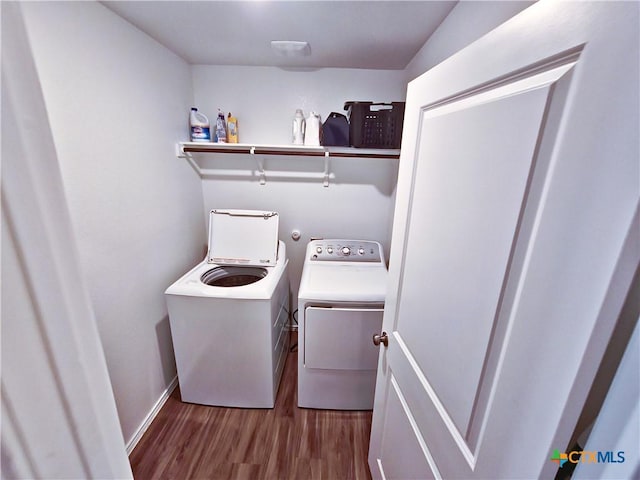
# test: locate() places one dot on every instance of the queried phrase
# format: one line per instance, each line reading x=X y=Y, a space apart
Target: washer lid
x=243 y=237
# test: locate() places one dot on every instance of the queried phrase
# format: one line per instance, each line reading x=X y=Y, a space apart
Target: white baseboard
x=131 y=444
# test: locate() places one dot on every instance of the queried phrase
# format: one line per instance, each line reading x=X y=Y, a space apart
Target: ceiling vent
x=291 y=48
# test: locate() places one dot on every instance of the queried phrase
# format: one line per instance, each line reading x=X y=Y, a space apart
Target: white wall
x=357 y=204
x=467 y=22
x=264 y=99
x=117 y=102
x=359 y=201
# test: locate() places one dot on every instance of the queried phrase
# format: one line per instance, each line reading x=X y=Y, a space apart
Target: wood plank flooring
x=187 y=441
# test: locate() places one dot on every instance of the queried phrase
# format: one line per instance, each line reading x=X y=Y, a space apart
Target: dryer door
x=340 y=338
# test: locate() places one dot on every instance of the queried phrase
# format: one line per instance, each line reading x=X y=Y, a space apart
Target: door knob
x=378 y=339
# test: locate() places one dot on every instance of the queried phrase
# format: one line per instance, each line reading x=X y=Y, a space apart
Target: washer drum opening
x=233 y=276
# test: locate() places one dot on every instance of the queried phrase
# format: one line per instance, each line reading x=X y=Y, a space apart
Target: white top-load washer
x=228 y=314
x=243 y=245
x=340 y=308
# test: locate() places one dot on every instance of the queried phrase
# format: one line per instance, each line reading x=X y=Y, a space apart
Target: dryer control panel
x=341 y=250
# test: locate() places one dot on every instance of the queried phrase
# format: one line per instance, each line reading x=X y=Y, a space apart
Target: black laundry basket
x=375 y=125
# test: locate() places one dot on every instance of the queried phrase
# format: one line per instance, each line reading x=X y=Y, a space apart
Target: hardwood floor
x=187 y=441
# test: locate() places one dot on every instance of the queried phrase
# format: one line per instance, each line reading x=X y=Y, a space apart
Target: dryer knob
x=329 y=250
x=346 y=250
x=319 y=249
x=361 y=251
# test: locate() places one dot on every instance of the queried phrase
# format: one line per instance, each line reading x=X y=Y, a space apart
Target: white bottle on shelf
x=312 y=130
x=199 y=127
x=298 y=128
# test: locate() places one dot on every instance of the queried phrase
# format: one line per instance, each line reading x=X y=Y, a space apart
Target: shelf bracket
x=260 y=162
x=180 y=153
x=326 y=169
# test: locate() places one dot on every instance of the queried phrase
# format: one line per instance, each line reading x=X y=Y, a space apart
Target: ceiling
x=345 y=34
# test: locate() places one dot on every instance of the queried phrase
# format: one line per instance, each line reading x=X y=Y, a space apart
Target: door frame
x=44 y=259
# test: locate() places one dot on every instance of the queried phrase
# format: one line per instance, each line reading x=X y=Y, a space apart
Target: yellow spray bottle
x=232 y=129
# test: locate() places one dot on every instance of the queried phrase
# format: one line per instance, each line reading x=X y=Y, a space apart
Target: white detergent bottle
x=298 y=128
x=312 y=129
x=200 y=129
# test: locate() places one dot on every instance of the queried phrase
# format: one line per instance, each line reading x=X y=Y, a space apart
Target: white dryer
x=228 y=314
x=340 y=307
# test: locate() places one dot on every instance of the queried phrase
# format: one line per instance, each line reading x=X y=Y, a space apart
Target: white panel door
x=514 y=243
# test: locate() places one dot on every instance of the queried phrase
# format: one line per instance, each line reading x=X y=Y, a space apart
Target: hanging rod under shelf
x=185 y=148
